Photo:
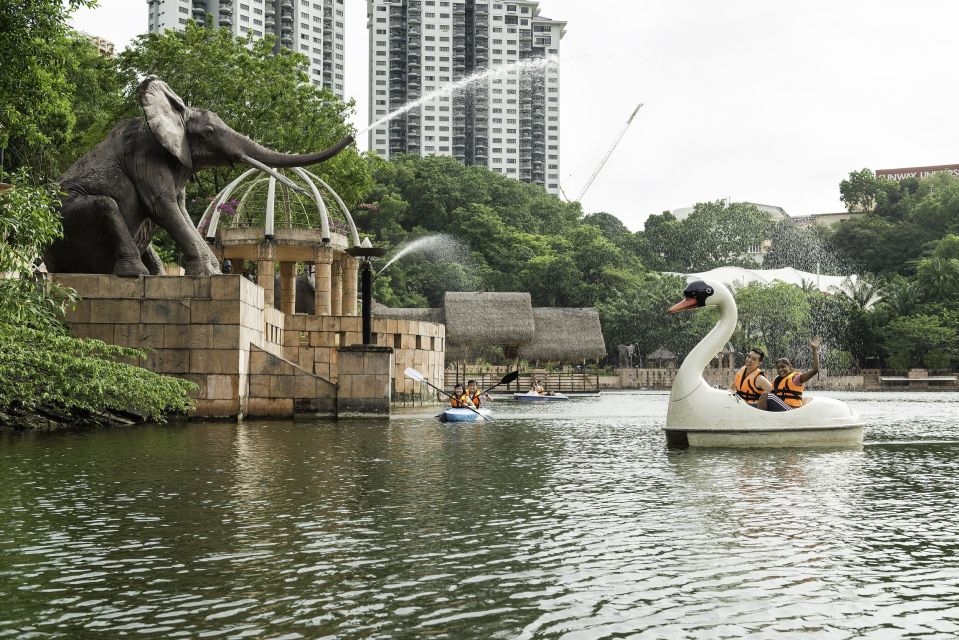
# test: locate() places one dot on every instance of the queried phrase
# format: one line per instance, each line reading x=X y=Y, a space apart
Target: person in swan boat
x=789 y=384
x=750 y=384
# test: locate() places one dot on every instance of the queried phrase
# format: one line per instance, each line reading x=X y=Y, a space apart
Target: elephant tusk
x=273 y=172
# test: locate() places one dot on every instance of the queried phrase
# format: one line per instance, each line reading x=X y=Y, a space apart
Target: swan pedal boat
x=535 y=397
x=464 y=415
x=701 y=416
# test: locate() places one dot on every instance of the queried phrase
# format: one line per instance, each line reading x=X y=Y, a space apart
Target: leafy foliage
x=36 y=105
x=43 y=371
x=62 y=91
x=715 y=234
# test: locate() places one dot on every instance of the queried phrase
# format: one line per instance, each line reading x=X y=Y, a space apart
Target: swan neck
x=691 y=371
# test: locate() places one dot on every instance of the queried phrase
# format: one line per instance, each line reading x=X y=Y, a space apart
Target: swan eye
x=709 y=291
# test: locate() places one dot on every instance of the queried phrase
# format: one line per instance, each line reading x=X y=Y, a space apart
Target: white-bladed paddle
x=413 y=374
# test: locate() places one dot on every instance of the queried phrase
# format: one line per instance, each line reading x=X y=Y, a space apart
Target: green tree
x=715 y=234
x=36 y=104
x=912 y=341
x=57 y=88
x=777 y=316
x=947 y=247
x=861 y=191
x=938 y=278
x=803 y=248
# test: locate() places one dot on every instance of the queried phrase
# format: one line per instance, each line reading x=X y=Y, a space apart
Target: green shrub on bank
x=74 y=379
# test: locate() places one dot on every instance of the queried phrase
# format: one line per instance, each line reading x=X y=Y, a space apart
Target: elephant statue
x=133 y=183
x=626 y=353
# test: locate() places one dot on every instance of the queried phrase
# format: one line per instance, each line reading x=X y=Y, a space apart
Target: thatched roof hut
x=565 y=335
x=479 y=319
x=476 y=320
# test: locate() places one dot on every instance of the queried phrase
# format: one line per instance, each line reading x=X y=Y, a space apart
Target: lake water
x=565 y=520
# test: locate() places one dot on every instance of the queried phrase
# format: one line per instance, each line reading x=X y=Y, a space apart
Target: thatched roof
x=483 y=318
x=662 y=354
x=565 y=335
x=407 y=313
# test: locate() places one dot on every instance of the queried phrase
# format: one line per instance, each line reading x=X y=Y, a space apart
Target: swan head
x=698 y=293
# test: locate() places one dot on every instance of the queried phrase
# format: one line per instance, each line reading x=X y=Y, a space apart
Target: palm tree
x=901 y=296
x=862 y=290
x=938 y=277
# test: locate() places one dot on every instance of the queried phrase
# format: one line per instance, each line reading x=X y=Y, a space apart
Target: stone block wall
x=312 y=343
x=281 y=389
x=364 y=380
x=201 y=329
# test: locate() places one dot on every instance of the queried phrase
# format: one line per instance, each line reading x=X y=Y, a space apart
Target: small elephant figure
x=133 y=183
x=626 y=353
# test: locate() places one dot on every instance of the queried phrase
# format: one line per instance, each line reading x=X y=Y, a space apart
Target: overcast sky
x=767 y=102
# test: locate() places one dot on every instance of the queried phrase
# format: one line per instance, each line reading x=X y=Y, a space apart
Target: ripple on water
x=558 y=521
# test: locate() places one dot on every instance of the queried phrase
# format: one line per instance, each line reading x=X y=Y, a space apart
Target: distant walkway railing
x=563 y=382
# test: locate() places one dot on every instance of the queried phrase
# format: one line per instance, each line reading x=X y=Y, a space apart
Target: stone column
x=350 y=268
x=323 y=257
x=288 y=287
x=265 y=254
x=336 y=289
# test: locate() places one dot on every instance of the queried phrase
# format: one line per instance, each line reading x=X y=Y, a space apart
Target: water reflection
x=555 y=521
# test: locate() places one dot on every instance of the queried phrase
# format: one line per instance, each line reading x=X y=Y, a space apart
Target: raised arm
x=805 y=376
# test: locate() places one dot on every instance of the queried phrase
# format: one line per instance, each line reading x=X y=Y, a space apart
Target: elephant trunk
x=283 y=160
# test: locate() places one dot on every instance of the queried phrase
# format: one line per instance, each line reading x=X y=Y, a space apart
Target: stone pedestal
x=364 y=381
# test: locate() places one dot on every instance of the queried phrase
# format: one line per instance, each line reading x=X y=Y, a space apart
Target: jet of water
x=527 y=66
x=440 y=245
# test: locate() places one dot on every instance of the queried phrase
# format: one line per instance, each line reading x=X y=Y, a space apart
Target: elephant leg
x=168 y=215
x=152 y=261
x=103 y=212
x=181 y=204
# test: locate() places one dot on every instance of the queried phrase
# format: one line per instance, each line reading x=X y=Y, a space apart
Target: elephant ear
x=166 y=115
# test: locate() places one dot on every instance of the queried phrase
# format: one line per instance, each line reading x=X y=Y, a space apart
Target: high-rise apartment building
x=509 y=122
x=311 y=27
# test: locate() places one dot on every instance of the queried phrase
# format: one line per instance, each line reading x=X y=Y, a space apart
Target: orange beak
x=688 y=303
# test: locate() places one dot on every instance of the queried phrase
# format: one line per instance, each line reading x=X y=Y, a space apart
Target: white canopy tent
x=738 y=277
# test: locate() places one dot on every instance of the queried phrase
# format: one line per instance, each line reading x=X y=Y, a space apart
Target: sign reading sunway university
x=916 y=172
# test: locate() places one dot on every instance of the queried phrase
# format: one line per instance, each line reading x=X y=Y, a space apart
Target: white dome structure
x=297 y=202
x=287 y=217
x=736 y=277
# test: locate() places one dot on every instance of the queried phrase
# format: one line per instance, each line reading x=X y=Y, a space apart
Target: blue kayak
x=464 y=415
x=535 y=397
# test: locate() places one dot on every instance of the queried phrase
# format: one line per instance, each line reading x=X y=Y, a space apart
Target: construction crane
x=609 y=153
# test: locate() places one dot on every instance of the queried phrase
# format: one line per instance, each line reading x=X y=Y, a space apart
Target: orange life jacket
x=476 y=399
x=746 y=385
x=789 y=389
x=459 y=402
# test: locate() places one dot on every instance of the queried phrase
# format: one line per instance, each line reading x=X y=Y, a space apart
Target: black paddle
x=416 y=375
x=509 y=377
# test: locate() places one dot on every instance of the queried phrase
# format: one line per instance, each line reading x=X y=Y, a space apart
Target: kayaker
x=536 y=386
x=750 y=383
x=474 y=394
x=789 y=384
x=460 y=400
